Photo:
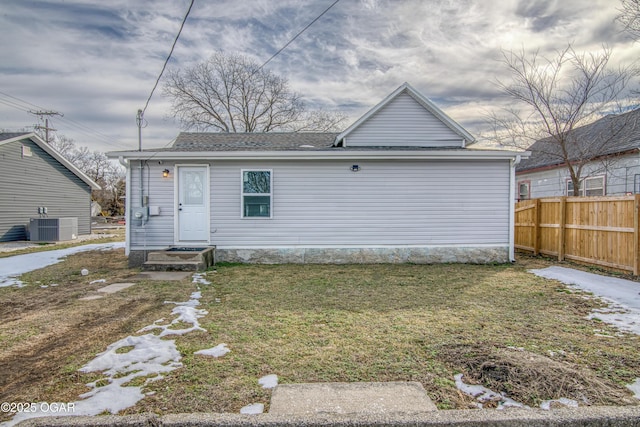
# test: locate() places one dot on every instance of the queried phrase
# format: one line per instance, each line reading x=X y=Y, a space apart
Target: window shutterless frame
x=590 y=186
x=256 y=193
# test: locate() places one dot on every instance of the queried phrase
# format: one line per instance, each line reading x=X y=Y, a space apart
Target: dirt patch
x=530 y=378
x=47 y=333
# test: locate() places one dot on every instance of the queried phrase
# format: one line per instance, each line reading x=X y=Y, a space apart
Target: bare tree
x=630 y=17
x=109 y=175
x=230 y=93
x=559 y=95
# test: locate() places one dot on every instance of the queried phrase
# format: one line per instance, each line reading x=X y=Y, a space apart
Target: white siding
x=403 y=122
x=158 y=231
x=619 y=175
x=323 y=203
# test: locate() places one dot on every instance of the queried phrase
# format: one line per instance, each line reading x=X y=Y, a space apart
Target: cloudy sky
x=96 y=61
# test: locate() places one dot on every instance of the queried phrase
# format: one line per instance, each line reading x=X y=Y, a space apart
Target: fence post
x=536 y=228
x=562 y=224
x=636 y=235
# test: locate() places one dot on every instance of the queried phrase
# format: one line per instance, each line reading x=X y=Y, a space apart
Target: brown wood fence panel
x=596 y=230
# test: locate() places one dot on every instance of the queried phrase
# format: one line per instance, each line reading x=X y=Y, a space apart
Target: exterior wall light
x=165 y=173
x=355 y=168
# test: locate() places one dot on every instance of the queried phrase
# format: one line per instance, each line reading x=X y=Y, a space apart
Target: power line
x=27 y=107
x=168 y=58
x=46 y=128
x=14 y=105
x=296 y=36
x=22 y=101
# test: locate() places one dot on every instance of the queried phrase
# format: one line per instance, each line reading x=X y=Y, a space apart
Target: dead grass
x=321 y=323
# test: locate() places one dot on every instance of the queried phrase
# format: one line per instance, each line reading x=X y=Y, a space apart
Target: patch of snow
x=252 y=409
x=483 y=394
x=268 y=381
x=217 y=351
x=13 y=266
x=199 y=278
x=569 y=403
x=635 y=388
x=622 y=295
x=150 y=356
x=186 y=312
x=98 y=281
x=134 y=356
x=44 y=286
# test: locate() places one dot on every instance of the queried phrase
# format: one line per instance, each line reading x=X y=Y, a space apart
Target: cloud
x=97 y=61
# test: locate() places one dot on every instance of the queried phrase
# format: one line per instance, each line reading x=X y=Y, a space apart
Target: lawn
x=497 y=324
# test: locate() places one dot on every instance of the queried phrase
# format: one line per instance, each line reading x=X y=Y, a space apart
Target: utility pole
x=46 y=114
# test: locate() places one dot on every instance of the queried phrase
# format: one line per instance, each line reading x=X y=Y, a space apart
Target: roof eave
x=320 y=155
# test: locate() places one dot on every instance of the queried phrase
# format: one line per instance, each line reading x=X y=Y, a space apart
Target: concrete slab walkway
x=115 y=287
x=110 y=289
x=162 y=275
x=350 y=398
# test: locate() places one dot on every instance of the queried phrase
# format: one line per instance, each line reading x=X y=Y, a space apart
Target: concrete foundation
x=411 y=255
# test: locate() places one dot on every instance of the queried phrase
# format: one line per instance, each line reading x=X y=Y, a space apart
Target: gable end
x=405 y=119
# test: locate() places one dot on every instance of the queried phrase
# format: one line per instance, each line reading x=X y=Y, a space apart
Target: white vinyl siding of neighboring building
x=403 y=122
x=324 y=203
x=619 y=177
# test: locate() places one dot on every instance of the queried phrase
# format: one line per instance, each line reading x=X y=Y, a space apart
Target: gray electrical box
x=140 y=215
x=53 y=229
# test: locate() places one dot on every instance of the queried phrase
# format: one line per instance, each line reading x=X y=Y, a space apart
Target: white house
x=611 y=147
x=399 y=185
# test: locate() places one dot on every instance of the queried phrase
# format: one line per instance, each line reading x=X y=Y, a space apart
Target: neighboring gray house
x=612 y=144
x=37 y=182
x=399 y=185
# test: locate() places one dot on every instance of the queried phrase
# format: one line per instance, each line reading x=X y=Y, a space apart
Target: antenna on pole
x=45 y=113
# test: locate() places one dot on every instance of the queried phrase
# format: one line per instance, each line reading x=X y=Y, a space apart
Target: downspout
x=512 y=207
x=127 y=200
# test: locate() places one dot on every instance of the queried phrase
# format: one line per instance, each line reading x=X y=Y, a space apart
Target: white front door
x=193 y=204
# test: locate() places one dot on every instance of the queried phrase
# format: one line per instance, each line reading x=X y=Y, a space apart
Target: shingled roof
x=273 y=141
x=11 y=135
x=611 y=135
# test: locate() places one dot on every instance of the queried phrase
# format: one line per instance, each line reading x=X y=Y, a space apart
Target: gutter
x=512 y=207
x=324 y=155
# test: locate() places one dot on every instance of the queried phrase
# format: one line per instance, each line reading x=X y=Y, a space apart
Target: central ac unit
x=53 y=229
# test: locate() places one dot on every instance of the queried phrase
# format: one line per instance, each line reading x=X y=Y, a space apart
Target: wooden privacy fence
x=595 y=230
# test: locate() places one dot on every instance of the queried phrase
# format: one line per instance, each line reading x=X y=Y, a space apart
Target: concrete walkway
x=622 y=291
x=350 y=398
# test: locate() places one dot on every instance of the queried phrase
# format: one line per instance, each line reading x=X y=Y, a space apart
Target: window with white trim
x=591 y=186
x=256 y=193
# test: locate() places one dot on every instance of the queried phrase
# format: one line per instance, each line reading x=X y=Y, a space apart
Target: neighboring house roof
x=7 y=138
x=422 y=100
x=610 y=135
